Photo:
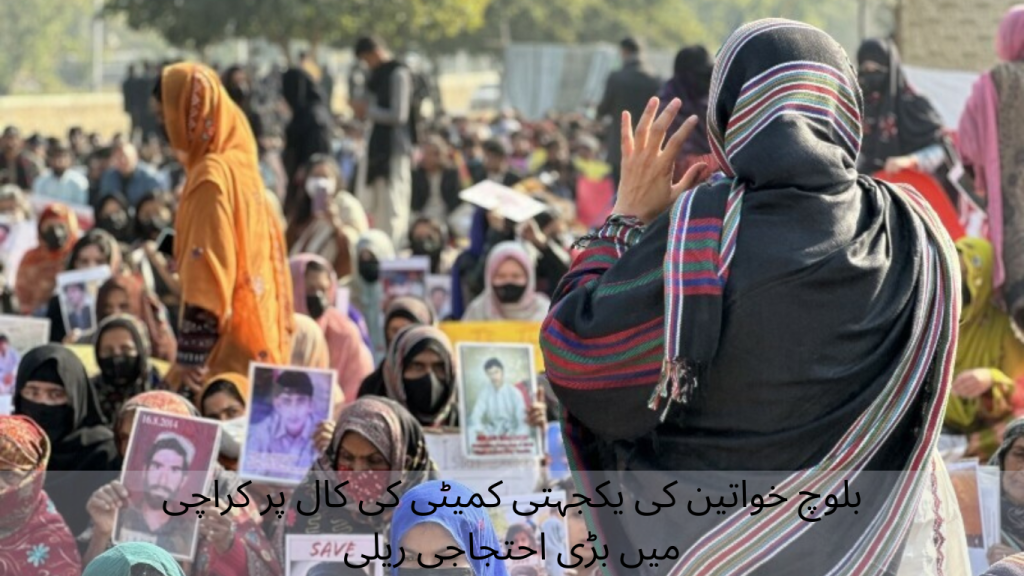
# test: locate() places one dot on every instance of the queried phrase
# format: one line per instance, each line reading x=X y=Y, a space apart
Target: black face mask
x=120 y=370
x=57 y=421
x=317 y=304
x=117 y=224
x=55 y=237
x=424 y=395
x=369 y=270
x=429 y=246
x=873 y=82
x=510 y=293
x=151 y=229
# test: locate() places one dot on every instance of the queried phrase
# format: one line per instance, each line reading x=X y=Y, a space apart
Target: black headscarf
x=309 y=131
x=111 y=396
x=766 y=372
x=83 y=459
x=897 y=120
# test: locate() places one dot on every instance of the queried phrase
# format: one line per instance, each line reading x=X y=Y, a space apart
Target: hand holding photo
x=286 y=406
x=77 y=291
x=498 y=386
x=169 y=458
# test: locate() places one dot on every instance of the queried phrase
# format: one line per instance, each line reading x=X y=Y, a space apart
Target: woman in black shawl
x=53 y=389
x=815 y=337
x=690 y=82
x=375 y=443
x=901 y=127
x=309 y=131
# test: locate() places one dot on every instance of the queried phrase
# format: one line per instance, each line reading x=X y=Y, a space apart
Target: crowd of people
x=823 y=334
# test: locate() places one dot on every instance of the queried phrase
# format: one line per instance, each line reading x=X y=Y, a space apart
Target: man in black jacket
x=385 y=188
x=628 y=88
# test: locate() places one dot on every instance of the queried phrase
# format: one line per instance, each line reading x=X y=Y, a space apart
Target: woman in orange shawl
x=236 y=287
x=37 y=273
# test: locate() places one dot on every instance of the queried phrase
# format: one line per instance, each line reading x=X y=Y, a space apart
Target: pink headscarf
x=349 y=355
x=532 y=307
x=978 y=133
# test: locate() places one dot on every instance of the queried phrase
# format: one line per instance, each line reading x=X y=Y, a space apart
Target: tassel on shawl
x=677 y=384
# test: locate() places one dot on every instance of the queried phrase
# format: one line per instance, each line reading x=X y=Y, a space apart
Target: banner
x=511 y=332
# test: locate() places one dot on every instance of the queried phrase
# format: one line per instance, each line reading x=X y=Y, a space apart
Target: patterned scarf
x=395 y=433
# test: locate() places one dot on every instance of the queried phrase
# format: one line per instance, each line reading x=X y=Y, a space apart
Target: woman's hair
x=220 y=386
x=324 y=160
x=517 y=529
x=95 y=237
x=315 y=267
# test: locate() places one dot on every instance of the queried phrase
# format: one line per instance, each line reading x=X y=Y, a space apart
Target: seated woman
x=34 y=539
x=122 y=353
x=989 y=358
x=37 y=273
x=902 y=130
x=134 y=559
x=53 y=389
x=327 y=220
x=128 y=295
x=373 y=248
x=97 y=248
x=375 y=443
x=424 y=537
x=510 y=292
x=401 y=312
x=114 y=215
x=224 y=399
x=419 y=374
x=315 y=289
x=229 y=545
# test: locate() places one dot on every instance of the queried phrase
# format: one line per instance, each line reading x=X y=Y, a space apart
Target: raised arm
x=603 y=340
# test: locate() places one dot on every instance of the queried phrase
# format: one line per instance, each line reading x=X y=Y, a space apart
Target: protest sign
x=518 y=476
x=497 y=388
x=77 y=291
x=315 y=554
x=510 y=331
x=514 y=205
x=284 y=409
x=545 y=529
x=169 y=458
x=18 y=335
x=439 y=294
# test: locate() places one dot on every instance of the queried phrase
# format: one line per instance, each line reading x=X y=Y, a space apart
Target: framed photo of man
x=169 y=458
x=77 y=291
x=498 y=385
x=286 y=406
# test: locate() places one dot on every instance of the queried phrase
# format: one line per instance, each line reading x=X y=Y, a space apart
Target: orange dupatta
x=229 y=246
x=37 y=273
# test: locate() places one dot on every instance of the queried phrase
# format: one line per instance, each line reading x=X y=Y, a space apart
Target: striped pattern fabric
x=697 y=265
x=628 y=358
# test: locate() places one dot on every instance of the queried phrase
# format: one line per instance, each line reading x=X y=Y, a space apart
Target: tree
x=31 y=33
x=188 y=24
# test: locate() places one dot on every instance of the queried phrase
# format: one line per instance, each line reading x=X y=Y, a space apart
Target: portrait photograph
x=169 y=459
x=498 y=385
x=18 y=335
x=286 y=406
x=77 y=291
